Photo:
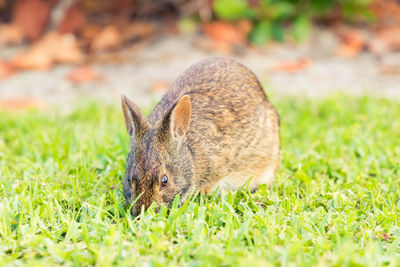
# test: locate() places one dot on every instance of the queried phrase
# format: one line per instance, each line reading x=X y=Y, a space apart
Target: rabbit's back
x=234 y=129
x=225 y=81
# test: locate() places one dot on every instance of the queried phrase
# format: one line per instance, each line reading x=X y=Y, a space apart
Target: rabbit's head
x=160 y=164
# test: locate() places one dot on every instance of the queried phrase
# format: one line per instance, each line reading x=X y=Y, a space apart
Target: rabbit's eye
x=164 y=180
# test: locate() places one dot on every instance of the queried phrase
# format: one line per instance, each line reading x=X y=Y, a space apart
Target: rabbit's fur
x=214 y=128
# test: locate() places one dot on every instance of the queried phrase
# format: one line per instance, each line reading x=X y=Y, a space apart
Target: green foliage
x=272 y=17
x=335 y=200
x=261 y=33
x=231 y=9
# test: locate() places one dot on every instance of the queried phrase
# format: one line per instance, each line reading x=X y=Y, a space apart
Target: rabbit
x=214 y=129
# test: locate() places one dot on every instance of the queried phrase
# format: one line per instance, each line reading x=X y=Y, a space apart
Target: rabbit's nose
x=128 y=193
x=127 y=190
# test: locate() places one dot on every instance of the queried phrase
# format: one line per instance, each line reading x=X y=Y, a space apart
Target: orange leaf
x=63 y=48
x=10 y=34
x=390 y=37
x=393 y=70
x=23 y=103
x=31 y=60
x=137 y=30
x=376 y=47
x=6 y=69
x=52 y=48
x=108 y=38
x=74 y=19
x=352 y=43
x=292 y=66
x=227 y=33
x=32 y=16
x=84 y=74
x=386 y=13
x=348 y=51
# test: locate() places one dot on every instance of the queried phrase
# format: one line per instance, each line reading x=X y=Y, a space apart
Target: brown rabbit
x=214 y=128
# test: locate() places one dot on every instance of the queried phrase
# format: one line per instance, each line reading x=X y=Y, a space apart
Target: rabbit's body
x=214 y=128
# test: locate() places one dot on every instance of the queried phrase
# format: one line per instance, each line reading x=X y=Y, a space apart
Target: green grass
x=335 y=200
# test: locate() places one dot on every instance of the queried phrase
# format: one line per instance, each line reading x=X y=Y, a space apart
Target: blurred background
x=67 y=52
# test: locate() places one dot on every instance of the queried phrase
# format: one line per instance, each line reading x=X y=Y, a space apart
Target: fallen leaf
x=352 y=42
x=347 y=51
x=87 y=34
x=138 y=30
x=90 y=31
x=31 y=60
x=292 y=66
x=376 y=47
x=6 y=69
x=132 y=31
x=64 y=48
x=159 y=86
x=83 y=74
x=227 y=33
x=386 y=13
x=390 y=37
x=32 y=16
x=108 y=38
x=244 y=26
x=73 y=20
x=10 y=34
x=392 y=70
x=23 y=103
x=52 y=48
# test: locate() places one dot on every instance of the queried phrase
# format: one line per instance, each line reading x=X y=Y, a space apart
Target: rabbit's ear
x=180 y=116
x=135 y=121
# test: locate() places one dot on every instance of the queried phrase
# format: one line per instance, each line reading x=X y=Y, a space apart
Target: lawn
x=335 y=201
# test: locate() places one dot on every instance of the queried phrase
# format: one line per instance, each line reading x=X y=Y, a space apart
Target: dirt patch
x=162 y=61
